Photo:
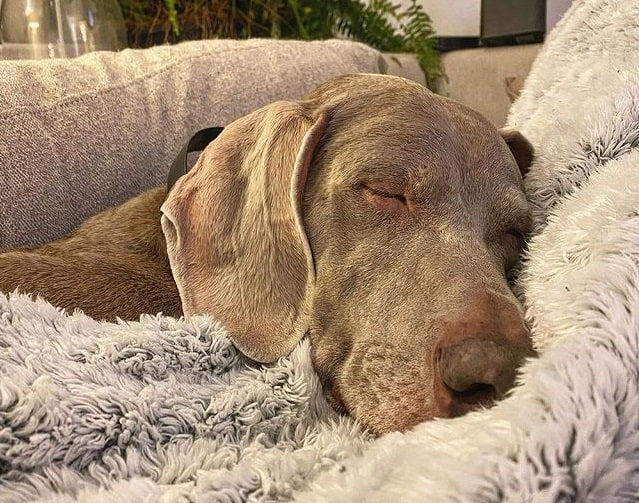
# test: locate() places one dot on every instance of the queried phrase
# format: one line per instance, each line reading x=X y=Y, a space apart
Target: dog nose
x=475 y=372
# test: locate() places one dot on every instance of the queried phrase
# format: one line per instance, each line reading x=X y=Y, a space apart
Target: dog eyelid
x=520 y=235
x=385 y=192
x=518 y=225
x=514 y=241
x=400 y=197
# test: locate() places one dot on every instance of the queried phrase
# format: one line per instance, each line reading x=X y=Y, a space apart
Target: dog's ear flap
x=520 y=147
x=234 y=231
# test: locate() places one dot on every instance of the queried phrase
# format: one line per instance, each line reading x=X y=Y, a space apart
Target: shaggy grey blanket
x=155 y=410
x=158 y=410
x=164 y=410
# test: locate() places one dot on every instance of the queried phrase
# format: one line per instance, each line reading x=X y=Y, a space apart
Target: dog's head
x=379 y=218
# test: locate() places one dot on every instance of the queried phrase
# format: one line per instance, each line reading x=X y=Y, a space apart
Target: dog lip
x=334 y=397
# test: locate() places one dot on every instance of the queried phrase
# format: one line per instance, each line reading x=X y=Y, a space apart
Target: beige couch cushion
x=484 y=78
x=83 y=134
x=404 y=65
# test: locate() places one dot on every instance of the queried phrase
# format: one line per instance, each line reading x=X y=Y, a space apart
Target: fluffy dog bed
x=165 y=410
x=153 y=411
x=570 y=432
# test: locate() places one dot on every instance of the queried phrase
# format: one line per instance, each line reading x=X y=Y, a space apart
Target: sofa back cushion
x=80 y=135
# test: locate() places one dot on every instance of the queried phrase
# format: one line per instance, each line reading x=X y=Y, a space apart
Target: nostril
x=476 y=394
x=475 y=372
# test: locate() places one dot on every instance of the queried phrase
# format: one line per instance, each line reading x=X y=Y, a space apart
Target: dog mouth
x=327 y=365
x=334 y=397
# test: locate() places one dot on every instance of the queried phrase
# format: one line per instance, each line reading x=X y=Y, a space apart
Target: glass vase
x=34 y=29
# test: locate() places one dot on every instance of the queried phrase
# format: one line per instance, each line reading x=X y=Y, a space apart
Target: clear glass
x=34 y=29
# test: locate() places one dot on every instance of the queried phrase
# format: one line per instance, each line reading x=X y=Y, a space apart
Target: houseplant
x=378 y=23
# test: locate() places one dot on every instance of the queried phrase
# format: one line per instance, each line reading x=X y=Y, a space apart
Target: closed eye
x=513 y=242
x=385 y=198
x=516 y=234
x=381 y=193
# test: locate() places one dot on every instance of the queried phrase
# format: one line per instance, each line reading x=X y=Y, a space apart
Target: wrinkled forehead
x=411 y=133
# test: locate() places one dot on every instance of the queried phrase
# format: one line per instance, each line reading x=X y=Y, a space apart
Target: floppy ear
x=520 y=147
x=234 y=230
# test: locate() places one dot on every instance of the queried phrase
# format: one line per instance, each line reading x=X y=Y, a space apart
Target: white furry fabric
x=164 y=410
x=160 y=410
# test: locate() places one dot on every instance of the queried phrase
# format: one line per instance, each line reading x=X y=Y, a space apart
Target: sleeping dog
x=373 y=215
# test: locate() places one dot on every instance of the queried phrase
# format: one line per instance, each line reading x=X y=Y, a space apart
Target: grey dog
x=373 y=215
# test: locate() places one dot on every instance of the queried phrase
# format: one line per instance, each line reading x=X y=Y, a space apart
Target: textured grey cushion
x=475 y=77
x=79 y=135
